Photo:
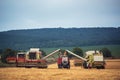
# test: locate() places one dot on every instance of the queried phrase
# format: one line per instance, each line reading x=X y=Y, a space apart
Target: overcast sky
x=29 y=14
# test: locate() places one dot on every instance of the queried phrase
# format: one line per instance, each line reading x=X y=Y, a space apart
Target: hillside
x=59 y=37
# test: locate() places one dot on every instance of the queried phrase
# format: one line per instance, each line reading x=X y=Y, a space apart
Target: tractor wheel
x=68 y=67
x=85 y=65
x=59 y=66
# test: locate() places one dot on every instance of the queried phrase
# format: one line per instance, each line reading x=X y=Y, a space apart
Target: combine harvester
x=95 y=59
x=33 y=58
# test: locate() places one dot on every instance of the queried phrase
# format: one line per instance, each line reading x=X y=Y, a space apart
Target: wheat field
x=52 y=73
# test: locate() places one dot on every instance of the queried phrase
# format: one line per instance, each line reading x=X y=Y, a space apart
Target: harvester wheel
x=28 y=67
x=100 y=67
x=45 y=67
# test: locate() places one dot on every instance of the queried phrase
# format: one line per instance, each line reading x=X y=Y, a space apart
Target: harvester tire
x=100 y=67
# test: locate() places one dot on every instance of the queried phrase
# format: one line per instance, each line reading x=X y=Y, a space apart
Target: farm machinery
x=63 y=60
x=11 y=60
x=95 y=59
x=34 y=58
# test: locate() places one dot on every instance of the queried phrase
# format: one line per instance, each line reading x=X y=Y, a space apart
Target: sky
x=30 y=14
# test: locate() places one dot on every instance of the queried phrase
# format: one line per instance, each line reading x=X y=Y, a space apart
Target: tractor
x=63 y=61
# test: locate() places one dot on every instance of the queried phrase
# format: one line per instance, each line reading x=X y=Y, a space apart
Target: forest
x=58 y=37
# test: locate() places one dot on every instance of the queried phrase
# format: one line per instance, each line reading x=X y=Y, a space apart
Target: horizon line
x=54 y=28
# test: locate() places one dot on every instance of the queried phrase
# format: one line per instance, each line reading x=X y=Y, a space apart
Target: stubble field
x=52 y=73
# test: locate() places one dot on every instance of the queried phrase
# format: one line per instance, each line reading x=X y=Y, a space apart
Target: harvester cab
x=20 y=59
x=34 y=59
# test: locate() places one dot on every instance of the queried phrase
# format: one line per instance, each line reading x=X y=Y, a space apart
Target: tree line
x=58 y=37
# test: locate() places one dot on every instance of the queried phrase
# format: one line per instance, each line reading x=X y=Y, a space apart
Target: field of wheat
x=52 y=73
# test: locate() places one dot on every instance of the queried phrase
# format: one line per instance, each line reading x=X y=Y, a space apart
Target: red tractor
x=63 y=61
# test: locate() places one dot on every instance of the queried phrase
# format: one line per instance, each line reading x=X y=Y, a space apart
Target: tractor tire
x=68 y=67
x=85 y=65
x=59 y=66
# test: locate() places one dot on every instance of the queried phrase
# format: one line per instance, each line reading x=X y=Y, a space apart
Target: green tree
x=1 y=51
x=106 y=52
x=43 y=53
x=78 y=51
x=62 y=51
